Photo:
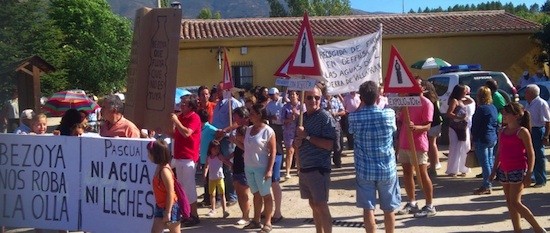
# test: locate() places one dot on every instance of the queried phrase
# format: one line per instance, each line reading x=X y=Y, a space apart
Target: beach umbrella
x=62 y=101
x=179 y=93
x=430 y=63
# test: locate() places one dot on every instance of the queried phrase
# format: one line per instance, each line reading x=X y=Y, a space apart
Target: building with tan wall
x=497 y=40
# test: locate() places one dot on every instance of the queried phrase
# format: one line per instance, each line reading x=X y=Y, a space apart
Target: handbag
x=183 y=202
x=471 y=159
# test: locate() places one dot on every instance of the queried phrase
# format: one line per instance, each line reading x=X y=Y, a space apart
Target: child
x=166 y=208
x=514 y=163
x=214 y=170
x=78 y=129
x=39 y=124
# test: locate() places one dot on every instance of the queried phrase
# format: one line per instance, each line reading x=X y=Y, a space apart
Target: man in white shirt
x=540 y=130
x=351 y=103
x=273 y=109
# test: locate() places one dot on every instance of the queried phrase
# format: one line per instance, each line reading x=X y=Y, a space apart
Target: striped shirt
x=373 y=130
x=317 y=124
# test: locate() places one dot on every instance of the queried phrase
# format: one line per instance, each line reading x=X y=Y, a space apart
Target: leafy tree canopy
x=206 y=13
x=313 y=7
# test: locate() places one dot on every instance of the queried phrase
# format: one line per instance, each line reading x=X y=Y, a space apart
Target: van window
x=476 y=80
x=441 y=84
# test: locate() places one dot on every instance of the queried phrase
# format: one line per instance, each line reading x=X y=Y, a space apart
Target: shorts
x=388 y=191
x=276 y=174
x=240 y=178
x=185 y=171
x=216 y=184
x=435 y=131
x=256 y=182
x=405 y=157
x=511 y=177
x=314 y=185
x=174 y=215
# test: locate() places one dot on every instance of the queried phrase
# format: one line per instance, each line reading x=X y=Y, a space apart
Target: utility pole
x=403 y=6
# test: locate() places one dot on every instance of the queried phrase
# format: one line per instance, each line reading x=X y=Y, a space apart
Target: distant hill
x=191 y=8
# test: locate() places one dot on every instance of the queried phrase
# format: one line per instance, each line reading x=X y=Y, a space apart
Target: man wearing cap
x=525 y=79
x=115 y=123
x=187 y=136
x=25 y=120
x=273 y=109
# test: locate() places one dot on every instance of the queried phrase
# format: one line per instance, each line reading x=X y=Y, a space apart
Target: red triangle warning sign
x=281 y=72
x=399 y=78
x=304 y=58
x=226 y=78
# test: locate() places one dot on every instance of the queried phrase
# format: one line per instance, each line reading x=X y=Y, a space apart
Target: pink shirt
x=122 y=128
x=351 y=103
x=511 y=152
x=419 y=115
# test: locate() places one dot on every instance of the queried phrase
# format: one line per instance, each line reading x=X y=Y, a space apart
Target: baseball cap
x=525 y=73
x=26 y=114
x=273 y=91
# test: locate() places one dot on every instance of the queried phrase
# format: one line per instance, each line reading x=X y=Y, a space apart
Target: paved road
x=458 y=210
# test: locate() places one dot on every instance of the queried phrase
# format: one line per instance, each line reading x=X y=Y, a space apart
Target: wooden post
x=301 y=119
x=412 y=147
x=230 y=109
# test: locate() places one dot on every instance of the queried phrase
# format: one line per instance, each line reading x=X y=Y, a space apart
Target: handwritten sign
x=116 y=185
x=347 y=64
x=39 y=181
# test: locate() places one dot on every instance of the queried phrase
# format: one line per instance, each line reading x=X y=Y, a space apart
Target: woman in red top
x=166 y=210
x=514 y=163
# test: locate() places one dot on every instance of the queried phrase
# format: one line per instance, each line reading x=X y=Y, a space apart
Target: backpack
x=183 y=202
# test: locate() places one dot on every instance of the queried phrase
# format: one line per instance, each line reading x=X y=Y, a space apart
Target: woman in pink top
x=514 y=163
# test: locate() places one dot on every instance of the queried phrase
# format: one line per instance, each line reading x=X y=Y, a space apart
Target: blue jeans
x=539 y=171
x=486 y=158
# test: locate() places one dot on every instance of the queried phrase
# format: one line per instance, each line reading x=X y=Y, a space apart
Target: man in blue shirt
x=375 y=164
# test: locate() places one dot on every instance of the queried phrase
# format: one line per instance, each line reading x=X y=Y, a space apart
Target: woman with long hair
x=459 y=143
x=435 y=128
x=514 y=163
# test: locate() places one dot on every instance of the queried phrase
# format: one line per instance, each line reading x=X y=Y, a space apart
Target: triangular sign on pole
x=281 y=72
x=304 y=58
x=226 y=79
x=399 y=78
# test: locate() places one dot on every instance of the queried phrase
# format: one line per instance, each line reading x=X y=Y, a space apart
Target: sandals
x=482 y=191
x=253 y=225
x=266 y=229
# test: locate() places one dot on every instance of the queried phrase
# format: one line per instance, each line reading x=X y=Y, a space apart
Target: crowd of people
x=239 y=145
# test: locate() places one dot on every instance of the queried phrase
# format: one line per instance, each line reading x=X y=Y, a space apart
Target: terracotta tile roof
x=356 y=25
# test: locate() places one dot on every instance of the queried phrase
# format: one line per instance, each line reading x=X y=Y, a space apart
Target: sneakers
x=241 y=222
x=437 y=166
x=408 y=209
x=192 y=221
x=426 y=212
x=211 y=213
x=287 y=177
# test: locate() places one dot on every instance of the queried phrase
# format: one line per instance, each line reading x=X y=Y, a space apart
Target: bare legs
x=321 y=216
x=242 y=197
x=517 y=209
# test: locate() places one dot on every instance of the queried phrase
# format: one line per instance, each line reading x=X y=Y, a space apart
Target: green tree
x=97 y=43
x=206 y=13
x=276 y=9
x=297 y=8
x=25 y=31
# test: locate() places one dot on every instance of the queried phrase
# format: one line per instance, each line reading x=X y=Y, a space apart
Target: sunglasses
x=310 y=97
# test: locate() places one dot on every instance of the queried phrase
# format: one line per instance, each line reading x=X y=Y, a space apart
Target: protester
x=25 y=121
x=10 y=114
x=39 y=124
x=221 y=121
x=274 y=108
x=484 y=136
x=375 y=166
x=525 y=79
x=420 y=121
x=514 y=163
x=78 y=129
x=259 y=157
x=435 y=127
x=116 y=125
x=315 y=140
x=166 y=213
x=336 y=109
x=187 y=133
x=351 y=103
x=240 y=118
x=204 y=102
x=213 y=174
x=540 y=130
x=498 y=100
x=539 y=76
x=290 y=113
x=459 y=143
x=208 y=133
x=68 y=120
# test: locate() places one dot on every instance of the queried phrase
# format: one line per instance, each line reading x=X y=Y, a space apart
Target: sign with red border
x=304 y=58
x=399 y=78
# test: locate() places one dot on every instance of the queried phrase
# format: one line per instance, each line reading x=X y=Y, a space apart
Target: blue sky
x=396 y=6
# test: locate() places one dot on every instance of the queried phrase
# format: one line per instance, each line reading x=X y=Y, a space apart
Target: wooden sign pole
x=412 y=147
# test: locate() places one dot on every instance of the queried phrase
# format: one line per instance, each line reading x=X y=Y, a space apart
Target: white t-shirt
x=215 y=168
x=256 y=151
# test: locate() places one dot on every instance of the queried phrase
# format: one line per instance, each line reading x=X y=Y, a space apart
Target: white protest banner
x=347 y=64
x=39 y=181
x=116 y=185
